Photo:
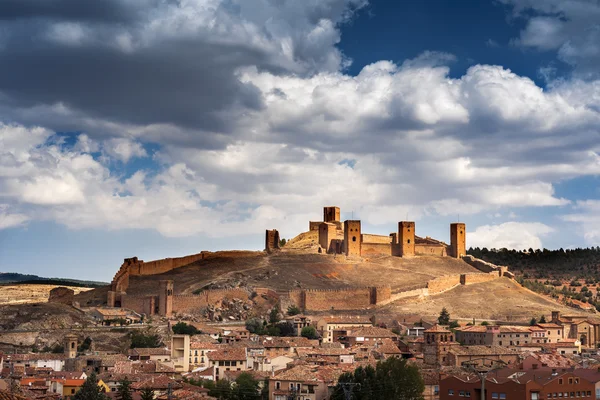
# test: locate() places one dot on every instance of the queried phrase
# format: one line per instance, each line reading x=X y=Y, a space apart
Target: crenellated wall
x=338 y=299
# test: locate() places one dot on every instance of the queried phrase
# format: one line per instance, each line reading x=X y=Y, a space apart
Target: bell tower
x=71 y=346
x=165 y=298
x=458 y=240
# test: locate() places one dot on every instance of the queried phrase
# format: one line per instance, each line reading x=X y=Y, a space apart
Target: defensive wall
x=338 y=299
x=182 y=303
x=485 y=266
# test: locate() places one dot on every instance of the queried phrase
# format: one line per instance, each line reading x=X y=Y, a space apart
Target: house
x=199 y=350
x=147 y=353
x=108 y=316
x=273 y=364
x=363 y=334
x=509 y=384
x=461 y=354
x=308 y=382
x=299 y=322
x=228 y=359
x=326 y=325
x=71 y=386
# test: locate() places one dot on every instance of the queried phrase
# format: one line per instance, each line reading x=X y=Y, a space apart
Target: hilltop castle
x=347 y=238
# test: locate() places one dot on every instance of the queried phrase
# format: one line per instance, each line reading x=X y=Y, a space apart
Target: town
x=305 y=343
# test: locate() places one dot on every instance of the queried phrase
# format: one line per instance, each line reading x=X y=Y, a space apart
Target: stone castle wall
x=369 y=238
x=338 y=299
x=371 y=249
x=191 y=303
x=469 y=279
x=442 y=283
x=430 y=250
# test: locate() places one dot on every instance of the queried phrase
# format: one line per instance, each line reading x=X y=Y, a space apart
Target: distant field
x=29 y=293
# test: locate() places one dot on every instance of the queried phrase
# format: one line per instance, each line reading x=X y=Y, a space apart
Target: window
x=277 y=385
x=560 y=381
x=354 y=238
x=578 y=394
x=570 y=381
x=534 y=395
x=450 y=392
x=576 y=380
x=494 y=395
x=436 y=389
x=461 y=393
x=560 y=395
x=572 y=394
x=502 y=396
x=467 y=394
x=588 y=394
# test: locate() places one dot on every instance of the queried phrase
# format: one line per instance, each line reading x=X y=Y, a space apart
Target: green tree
x=181 y=328
x=393 y=378
x=85 y=346
x=444 y=318
x=245 y=388
x=90 y=390
x=282 y=242
x=293 y=310
x=533 y=321
x=147 y=394
x=485 y=323
x=255 y=325
x=124 y=390
x=543 y=319
x=309 y=332
x=220 y=390
x=453 y=324
x=141 y=339
x=274 y=315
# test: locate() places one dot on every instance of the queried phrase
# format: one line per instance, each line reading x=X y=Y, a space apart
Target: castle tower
x=71 y=346
x=406 y=238
x=352 y=237
x=331 y=214
x=458 y=240
x=271 y=240
x=165 y=298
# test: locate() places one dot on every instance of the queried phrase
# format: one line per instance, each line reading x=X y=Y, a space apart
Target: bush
x=293 y=310
x=309 y=332
x=144 y=340
x=181 y=328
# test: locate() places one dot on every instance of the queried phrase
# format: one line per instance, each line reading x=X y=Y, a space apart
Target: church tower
x=70 y=346
x=352 y=237
x=406 y=238
x=165 y=298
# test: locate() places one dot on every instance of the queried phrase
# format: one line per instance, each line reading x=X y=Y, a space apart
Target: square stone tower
x=352 y=237
x=271 y=240
x=70 y=346
x=331 y=214
x=165 y=298
x=458 y=240
x=406 y=238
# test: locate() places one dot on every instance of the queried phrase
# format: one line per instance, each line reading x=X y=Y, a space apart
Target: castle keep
x=347 y=238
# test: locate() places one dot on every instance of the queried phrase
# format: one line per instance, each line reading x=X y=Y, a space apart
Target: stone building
x=437 y=342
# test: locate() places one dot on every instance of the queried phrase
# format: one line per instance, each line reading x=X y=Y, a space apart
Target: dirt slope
x=502 y=299
x=27 y=293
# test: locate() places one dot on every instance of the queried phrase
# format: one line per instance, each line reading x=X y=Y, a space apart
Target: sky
x=160 y=128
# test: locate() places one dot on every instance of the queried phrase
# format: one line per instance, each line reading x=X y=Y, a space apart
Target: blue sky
x=165 y=129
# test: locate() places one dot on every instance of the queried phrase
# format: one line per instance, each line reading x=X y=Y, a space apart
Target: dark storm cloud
x=183 y=83
x=70 y=10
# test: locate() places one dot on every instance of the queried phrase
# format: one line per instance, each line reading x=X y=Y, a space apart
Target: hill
x=23 y=293
x=299 y=265
x=15 y=277
x=501 y=299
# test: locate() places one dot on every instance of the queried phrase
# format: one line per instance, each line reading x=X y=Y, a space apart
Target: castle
x=347 y=238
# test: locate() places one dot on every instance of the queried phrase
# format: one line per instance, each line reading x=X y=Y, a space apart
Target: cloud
x=124 y=149
x=8 y=220
x=510 y=235
x=159 y=63
x=568 y=27
x=587 y=217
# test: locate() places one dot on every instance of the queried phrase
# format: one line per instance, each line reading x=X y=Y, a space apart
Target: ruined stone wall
x=62 y=295
x=442 y=283
x=191 y=303
x=370 y=249
x=271 y=240
x=469 y=279
x=140 y=304
x=314 y=225
x=430 y=250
